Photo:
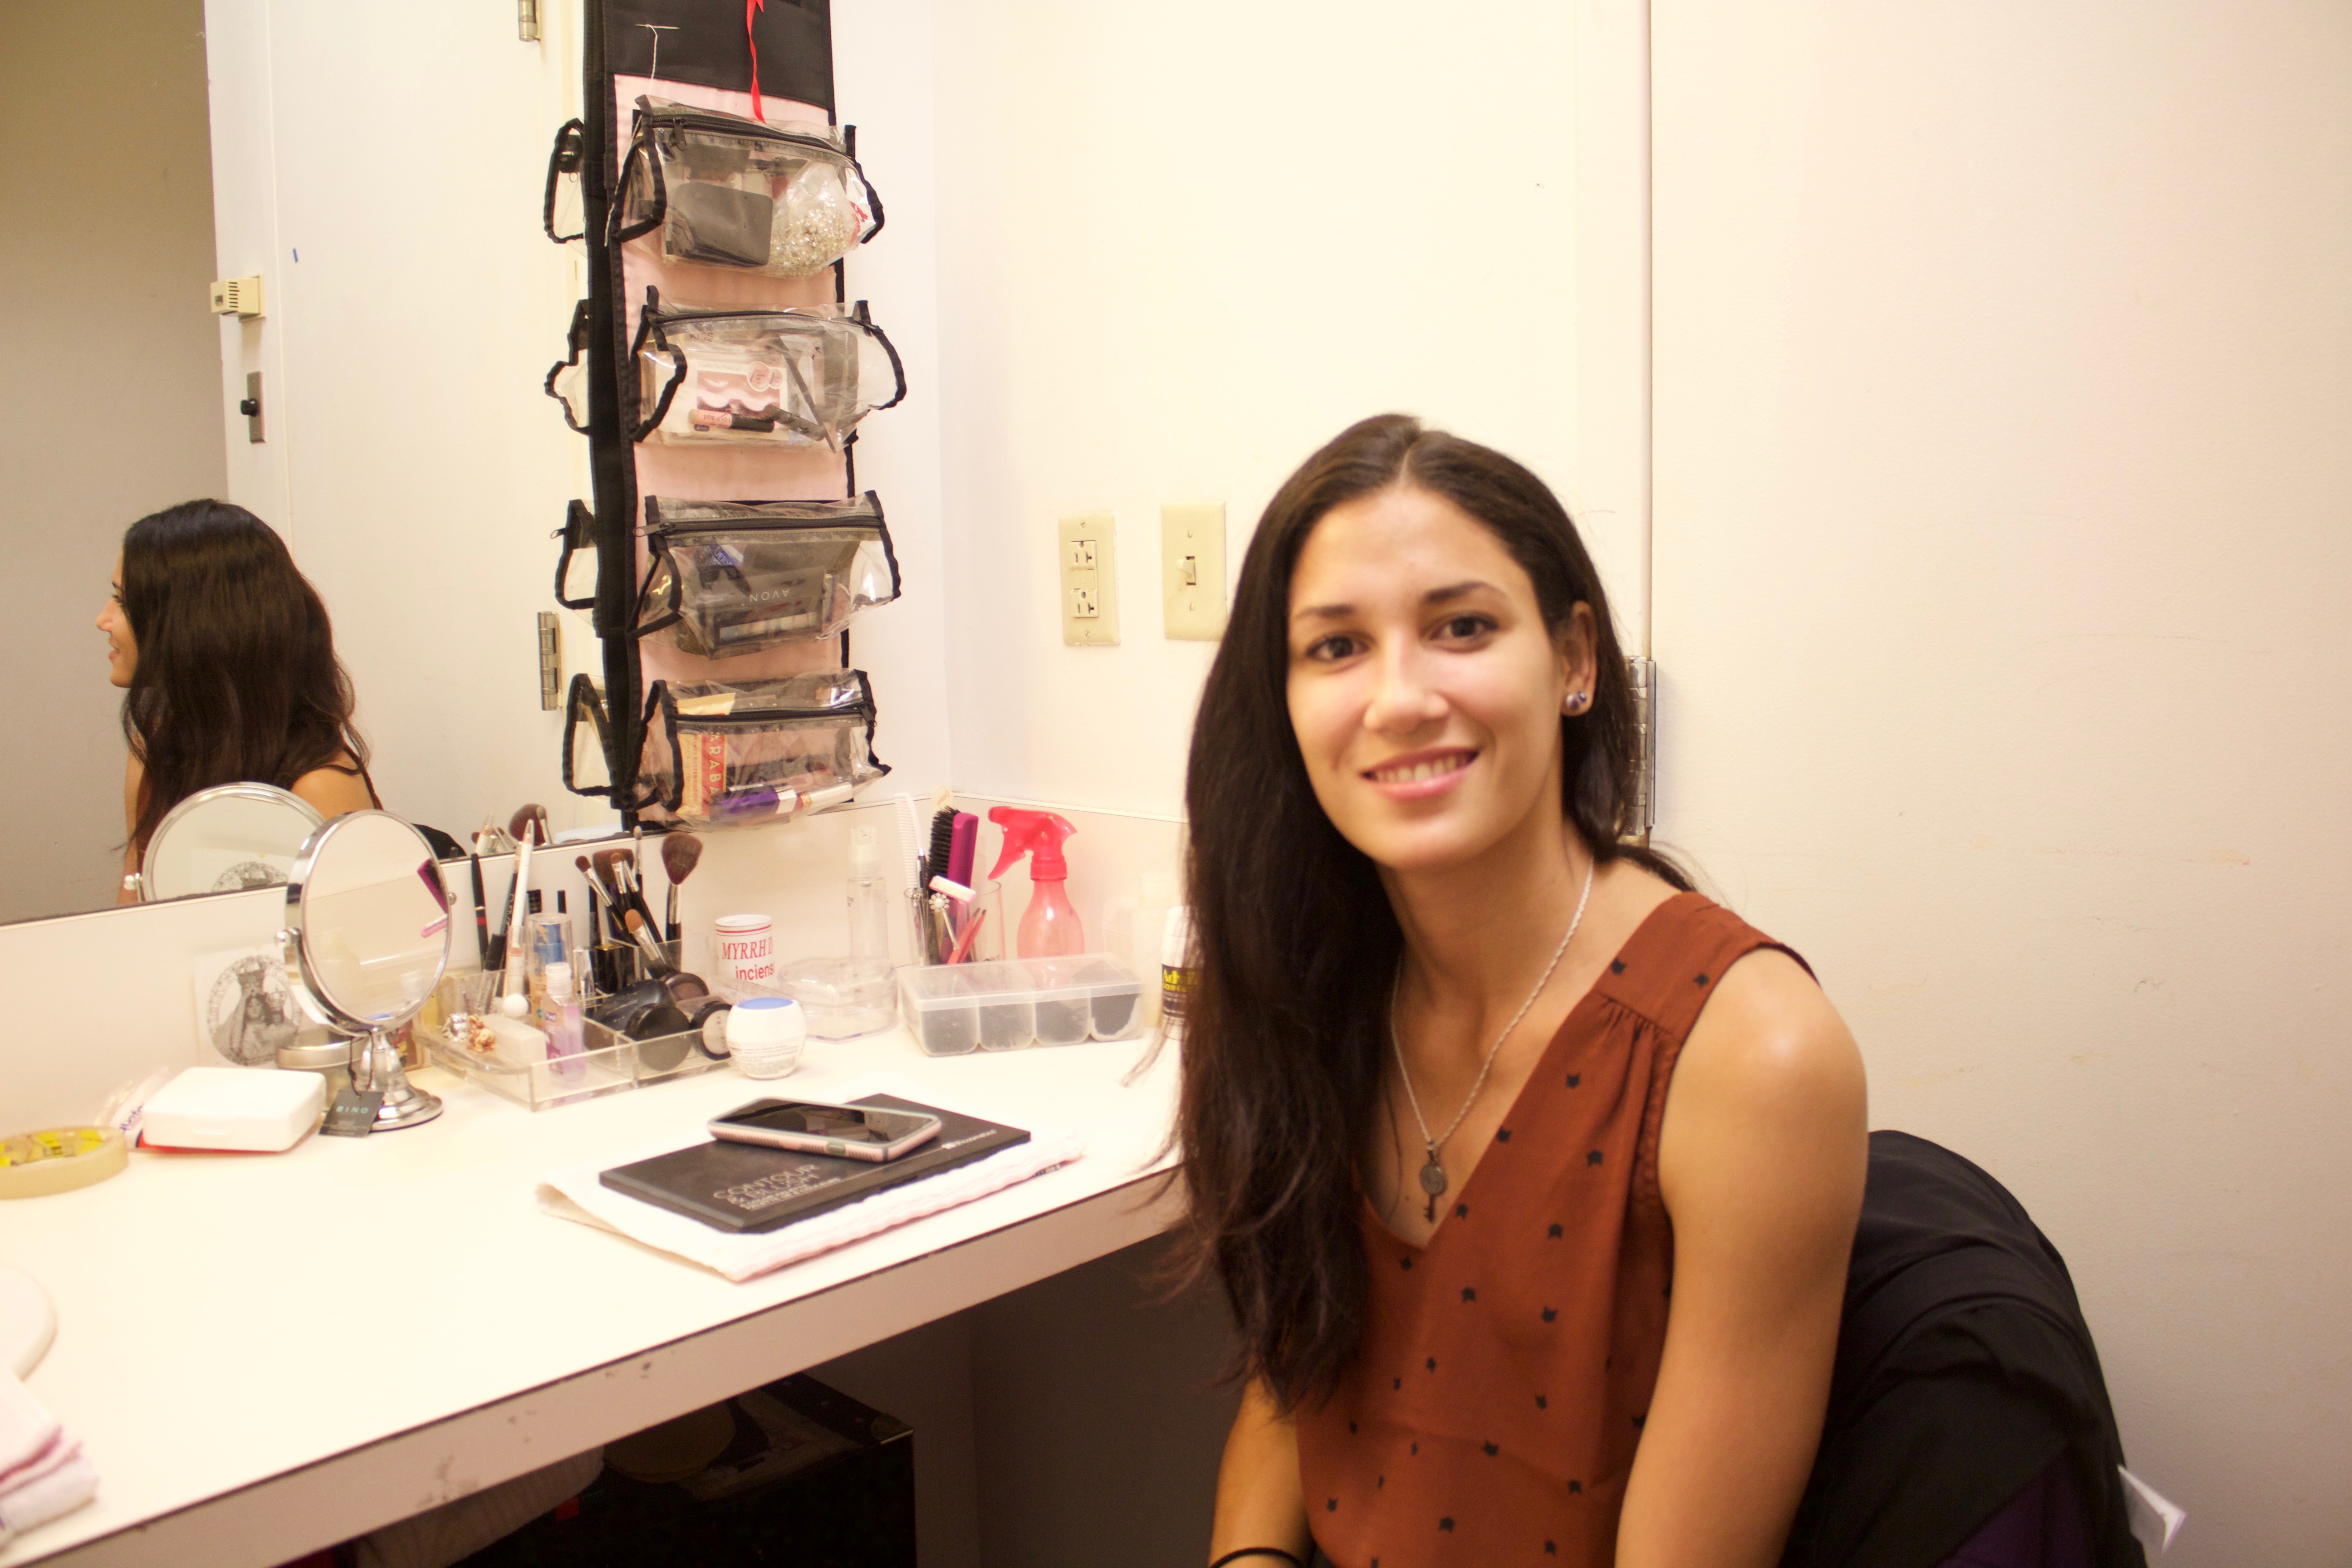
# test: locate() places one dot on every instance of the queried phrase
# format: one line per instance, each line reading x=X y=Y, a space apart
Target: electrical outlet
x=1192 y=569
x=1089 y=556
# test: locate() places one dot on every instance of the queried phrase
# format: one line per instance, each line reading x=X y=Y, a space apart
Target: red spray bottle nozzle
x=1036 y=834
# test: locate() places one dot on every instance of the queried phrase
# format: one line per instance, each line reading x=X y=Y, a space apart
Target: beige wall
x=1181 y=248
x=108 y=398
x=2003 y=457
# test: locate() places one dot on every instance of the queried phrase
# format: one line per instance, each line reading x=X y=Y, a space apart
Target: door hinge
x=550 y=661
x=1644 y=675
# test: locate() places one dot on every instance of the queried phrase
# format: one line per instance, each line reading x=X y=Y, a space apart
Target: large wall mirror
x=411 y=306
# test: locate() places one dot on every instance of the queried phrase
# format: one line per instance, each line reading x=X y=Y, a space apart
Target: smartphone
x=850 y=1131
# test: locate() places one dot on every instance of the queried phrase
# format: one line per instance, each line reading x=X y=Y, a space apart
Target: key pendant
x=1433 y=1181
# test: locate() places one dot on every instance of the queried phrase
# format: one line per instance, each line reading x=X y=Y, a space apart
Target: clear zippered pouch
x=718 y=753
x=704 y=187
x=727 y=578
x=799 y=376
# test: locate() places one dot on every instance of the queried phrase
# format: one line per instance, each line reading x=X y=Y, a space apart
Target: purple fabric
x=2042 y=1528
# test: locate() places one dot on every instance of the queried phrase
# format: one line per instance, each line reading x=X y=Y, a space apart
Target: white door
x=382 y=168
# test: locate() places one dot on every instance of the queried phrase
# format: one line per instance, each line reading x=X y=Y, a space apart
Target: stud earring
x=1575 y=702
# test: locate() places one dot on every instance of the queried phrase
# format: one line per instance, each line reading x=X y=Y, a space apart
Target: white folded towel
x=43 y=1472
x=576 y=1194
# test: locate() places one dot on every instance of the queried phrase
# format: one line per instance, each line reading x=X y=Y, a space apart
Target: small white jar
x=765 y=1035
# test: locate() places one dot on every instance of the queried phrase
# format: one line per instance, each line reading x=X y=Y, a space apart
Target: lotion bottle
x=559 y=1019
x=1137 y=924
x=1176 y=976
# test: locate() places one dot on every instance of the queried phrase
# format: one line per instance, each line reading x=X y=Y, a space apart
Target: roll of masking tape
x=60 y=1159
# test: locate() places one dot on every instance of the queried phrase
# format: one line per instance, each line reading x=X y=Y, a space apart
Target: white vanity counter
x=268 y=1353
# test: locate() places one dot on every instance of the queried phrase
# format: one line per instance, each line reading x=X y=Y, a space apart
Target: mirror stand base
x=375 y=1063
x=407 y=1107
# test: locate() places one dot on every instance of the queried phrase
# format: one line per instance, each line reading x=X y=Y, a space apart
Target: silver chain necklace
x=1433 y=1175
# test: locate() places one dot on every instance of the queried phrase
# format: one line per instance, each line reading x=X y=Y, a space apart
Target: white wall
x=107 y=408
x=2004 y=382
x=883 y=85
x=1181 y=247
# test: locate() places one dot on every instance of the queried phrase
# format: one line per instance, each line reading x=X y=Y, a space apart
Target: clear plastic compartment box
x=611 y=1063
x=1005 y=1005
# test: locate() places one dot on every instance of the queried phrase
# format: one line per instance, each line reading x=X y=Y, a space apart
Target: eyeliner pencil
x=481 y=916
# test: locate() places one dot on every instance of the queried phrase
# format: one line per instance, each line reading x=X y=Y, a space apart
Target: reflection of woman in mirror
x=228 y=669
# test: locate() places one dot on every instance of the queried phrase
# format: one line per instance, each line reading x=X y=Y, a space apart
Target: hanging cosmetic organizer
x=722 y=373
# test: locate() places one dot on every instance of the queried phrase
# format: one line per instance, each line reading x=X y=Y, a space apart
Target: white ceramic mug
x=743 y=950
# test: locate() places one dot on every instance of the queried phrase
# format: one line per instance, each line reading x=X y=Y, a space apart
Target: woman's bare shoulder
x=1770 y=1066
x=334 y=789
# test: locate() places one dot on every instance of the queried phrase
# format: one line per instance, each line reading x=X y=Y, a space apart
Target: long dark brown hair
x=236 y=678
x=1294 y=939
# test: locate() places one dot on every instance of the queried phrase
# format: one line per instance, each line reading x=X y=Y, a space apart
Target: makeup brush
x=616 y=902
x=633 y=884
x=512 y=1004
x=608 y=879
x=680 y=853
x=596 y=890
x=501 y=939
x=643 y=935
x=530 y=820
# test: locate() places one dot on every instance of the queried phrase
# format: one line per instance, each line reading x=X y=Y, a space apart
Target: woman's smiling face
x=1424 y=688
x=121 y=648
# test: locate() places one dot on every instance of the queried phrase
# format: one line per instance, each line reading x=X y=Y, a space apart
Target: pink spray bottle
x=1049 y=929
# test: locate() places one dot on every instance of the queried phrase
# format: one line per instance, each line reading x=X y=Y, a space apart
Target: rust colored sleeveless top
x=1490 y=1412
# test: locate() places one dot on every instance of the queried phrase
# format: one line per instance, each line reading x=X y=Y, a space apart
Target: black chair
x=1966 y=1376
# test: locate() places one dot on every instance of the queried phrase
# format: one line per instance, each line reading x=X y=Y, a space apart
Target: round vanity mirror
x=226 y=838
x=367 y=938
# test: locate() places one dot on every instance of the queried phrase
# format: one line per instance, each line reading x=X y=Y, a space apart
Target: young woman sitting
x=1530 y=1175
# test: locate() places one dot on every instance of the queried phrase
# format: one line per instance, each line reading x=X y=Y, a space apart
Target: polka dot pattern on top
x=1498 y=1395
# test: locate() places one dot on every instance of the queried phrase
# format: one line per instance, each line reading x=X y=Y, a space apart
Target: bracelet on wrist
x=1258 y=1552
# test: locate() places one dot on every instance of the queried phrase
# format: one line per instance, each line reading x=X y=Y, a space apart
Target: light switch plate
x=1090 y=557
x=1192 y=569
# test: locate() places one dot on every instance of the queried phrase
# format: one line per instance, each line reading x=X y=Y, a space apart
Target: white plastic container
x=255 y=1112
x=765 y=1035
x=843 y=997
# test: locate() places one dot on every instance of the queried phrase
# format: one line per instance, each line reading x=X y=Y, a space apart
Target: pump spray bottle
x=1049 y=928
x=869 y=901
